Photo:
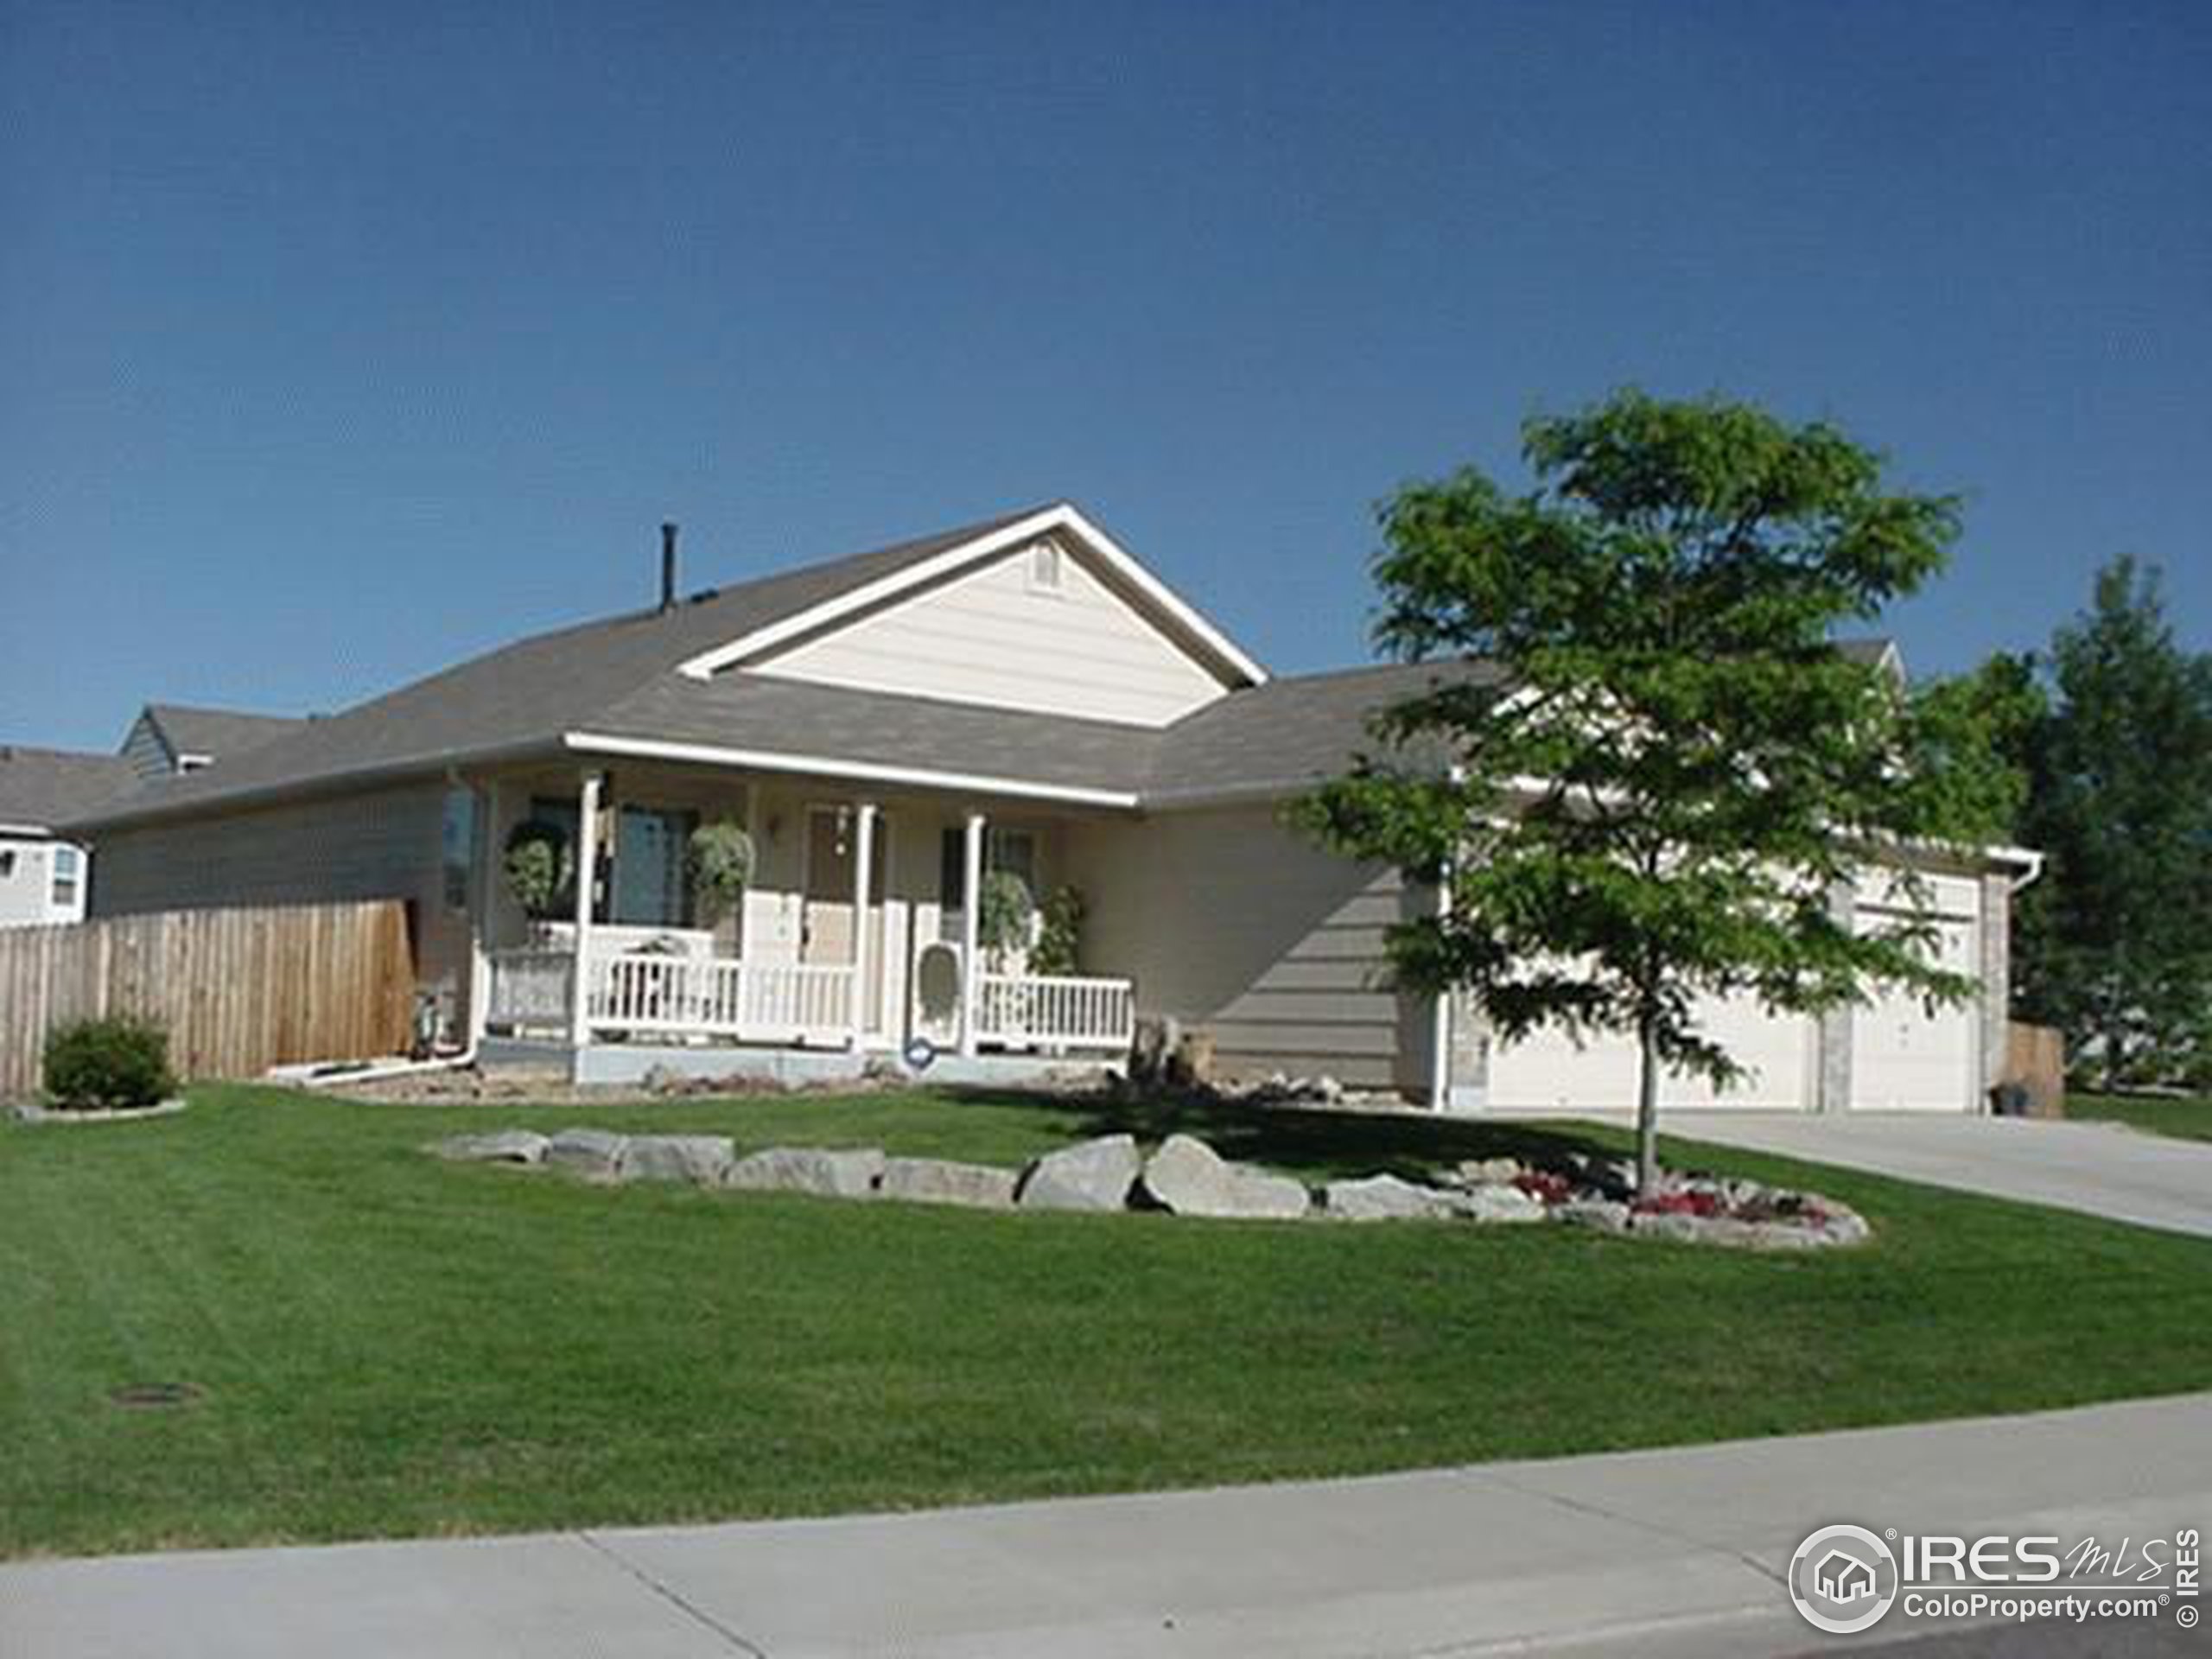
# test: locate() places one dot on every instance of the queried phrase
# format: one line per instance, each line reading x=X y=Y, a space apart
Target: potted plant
x=539 y=867
x=720 y=857
x=1002 y=915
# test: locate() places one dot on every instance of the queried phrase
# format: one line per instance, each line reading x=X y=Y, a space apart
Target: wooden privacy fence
x=240 y=990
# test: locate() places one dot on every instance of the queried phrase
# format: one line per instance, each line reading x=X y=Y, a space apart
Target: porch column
x=1439 y=1065
x=863 y=957
x=971 y=905
x=587 y=869
x=483 y=894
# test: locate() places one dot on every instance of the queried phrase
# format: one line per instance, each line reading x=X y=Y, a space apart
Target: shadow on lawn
x=1314 y=1140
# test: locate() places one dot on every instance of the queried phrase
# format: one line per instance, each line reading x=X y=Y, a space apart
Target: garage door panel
x=1547 y=1070
x=1905 y=1058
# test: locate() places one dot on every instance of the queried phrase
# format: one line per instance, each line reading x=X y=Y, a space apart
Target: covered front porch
x=856 y=933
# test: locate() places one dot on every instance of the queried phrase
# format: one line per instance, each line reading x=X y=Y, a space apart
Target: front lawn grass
x=388 y=1344
x=2187 y=1120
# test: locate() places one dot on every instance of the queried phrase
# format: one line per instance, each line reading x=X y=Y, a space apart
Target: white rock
x=698 y=1158
x=1384 y=1198
x=937 y=1180
x=1606 y=1215
x=1090 y=1175
x=594 y=1152
x=1497 y=1203
x=1187 y=1177
x=844 y=1172
x=499 y=1147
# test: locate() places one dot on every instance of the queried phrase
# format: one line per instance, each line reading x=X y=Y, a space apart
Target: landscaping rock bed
x=1183 y=1176
x=31 y=1112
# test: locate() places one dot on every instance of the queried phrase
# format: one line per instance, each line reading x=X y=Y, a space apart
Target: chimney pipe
x=668 y=566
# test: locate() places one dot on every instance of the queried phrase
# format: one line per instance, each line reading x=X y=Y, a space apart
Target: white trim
x=829 y=766
x=586 y=867
x=972 y=849
x=924 y=571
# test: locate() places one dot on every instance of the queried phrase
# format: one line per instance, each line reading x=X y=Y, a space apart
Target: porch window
x=652 y=868
x=457 y=846
x=1003 y=849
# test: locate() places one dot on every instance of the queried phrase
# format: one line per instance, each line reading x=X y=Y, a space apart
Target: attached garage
x=1549 y=1071
x=1904 y=1056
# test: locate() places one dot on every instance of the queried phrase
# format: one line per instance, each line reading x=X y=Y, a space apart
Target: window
x=1045 y=567
x=68 y=877
x=7 y=862
x=457 y=846
x=652 y=868
x=1004 y=849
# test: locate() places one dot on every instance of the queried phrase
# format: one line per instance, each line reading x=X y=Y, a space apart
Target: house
x=43 y=875
x=1020 y=694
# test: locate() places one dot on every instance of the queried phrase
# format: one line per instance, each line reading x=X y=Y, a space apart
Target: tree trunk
x=1647 y=1111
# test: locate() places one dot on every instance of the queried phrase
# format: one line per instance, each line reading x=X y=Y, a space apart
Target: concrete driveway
x=1645 y=1554
x=2102 y=1168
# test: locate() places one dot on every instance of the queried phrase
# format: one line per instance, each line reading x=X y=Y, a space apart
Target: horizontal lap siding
x=988 y=638
x=1230 y=922
x=369 y=845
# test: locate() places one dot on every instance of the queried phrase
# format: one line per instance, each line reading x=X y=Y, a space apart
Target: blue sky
x=339 y=342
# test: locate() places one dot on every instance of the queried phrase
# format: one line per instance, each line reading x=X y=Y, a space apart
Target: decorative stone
x=1606 y=1215
x=697 y=1158
x=594 y=1154
x=499 y=1147
x=1489 y=1171
x=1496 y=1203
x=847 y=1172
x=1384 y=1198
x=1090 y=1175
x=937 y=1180
x=1186 y=1177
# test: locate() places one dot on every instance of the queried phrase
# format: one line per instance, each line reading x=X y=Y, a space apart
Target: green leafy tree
x=1658 y=784
x=2115 y=944
x=1002 y=914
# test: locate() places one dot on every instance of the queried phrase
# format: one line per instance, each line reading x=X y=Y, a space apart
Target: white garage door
x=1904 y=1058
x=1548 y=1072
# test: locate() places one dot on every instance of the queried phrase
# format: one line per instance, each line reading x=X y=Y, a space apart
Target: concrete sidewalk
x=2105 y=1169
x=1657 y=1552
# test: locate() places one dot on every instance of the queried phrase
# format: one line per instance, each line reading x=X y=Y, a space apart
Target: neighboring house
x=169 y=738
x=44 y=877
x=1019 y=694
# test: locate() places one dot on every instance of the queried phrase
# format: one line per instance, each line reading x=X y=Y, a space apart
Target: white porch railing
x=761 y=1002
x=533 y=988
x=1054 y=1011
x=655 y=994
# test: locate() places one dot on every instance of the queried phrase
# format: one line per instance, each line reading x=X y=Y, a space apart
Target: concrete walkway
x=1658 y=1552
x=2104 y=1169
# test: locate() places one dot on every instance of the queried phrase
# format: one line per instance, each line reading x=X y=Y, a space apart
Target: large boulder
x=1385 y=1198
x=594 y=1154
x=497 y=1147
x=1090 y=1175
x=1187 y=1177
x=937 y=1180
x=1494 y=1202
x=700 y=1158
x=830 y=1172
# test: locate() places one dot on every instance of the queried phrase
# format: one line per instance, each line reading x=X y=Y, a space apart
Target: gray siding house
x=1017 y=694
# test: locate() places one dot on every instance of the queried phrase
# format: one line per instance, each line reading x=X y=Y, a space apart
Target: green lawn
x=2190 y=1120
x=389 y=1345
